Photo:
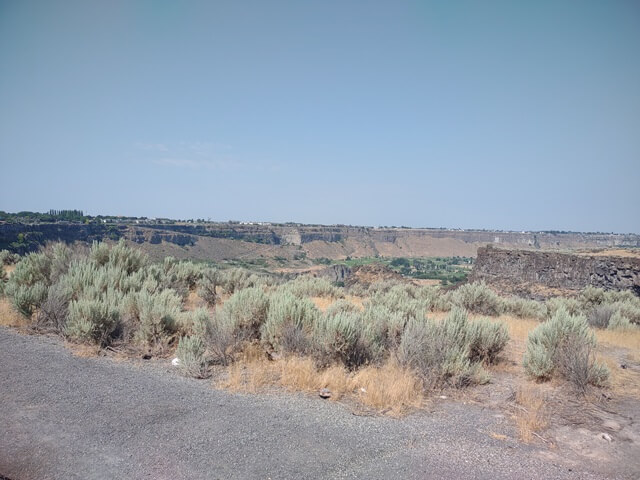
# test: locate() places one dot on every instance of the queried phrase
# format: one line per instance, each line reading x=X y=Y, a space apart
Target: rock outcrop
x=517 y=271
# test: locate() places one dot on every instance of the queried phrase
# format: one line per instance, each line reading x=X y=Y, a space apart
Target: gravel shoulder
x=63 y=416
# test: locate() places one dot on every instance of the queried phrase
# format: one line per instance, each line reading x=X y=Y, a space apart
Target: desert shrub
x=564 y=345
x=191 y=353
x=629 y=309
x=570 y=305
x=399 y=299
x=234 y=279
x=383 y=286
x=128 y=259
x=306 y=286
x=341 y=305
x=433 y=298
x=591 y=297
x=621 y=323
x=60 y=256
x=3 y=278
x=343 y=338
x=92 y=320
x=452 y=351
x=600 y=315
x=215 y=332
x=27 y=298
x=523 y=308
x=53 y=312
x=477 y=297
x=156 y=316
x=32 y=269
x=8 y=258
x=207 y=286
x=289 y=320
x=246 y=311
x=486 y=339
x=384 y=325
x=180 y=276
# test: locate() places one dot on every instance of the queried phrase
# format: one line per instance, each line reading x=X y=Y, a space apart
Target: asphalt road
x=64 y=417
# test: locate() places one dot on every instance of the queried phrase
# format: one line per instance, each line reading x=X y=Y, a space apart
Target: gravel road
x=64 y=417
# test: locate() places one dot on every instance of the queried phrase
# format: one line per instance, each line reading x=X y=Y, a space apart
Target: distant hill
x=294 y=242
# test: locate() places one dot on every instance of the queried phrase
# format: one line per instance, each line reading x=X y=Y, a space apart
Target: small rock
x=325 y=393
x=175 y=362
x=606 y=436
x=612 y=425
x=363 y=390
x=146 y=356
x=444 y=397
x=623 y=366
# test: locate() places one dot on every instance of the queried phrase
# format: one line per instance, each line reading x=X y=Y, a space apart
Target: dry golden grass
x=531 y=414
x=389 y=389
x=9 y=317
x=322 y=303
x=9 y=269
x=618 y=338
x=83 y=350
x=622 y=381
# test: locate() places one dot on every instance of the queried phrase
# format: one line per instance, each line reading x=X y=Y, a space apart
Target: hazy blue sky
x=477 y=114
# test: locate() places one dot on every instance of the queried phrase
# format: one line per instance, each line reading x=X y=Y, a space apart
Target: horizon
x=492 y=116
x=350 y=225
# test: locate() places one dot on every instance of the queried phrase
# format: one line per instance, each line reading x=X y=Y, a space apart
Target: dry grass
x=9 y=269
x=9 y=317
x=617 y=338
x=83 y=350
x=322 y=303
x=531 y=414
x=389 y=389
x=622 y=381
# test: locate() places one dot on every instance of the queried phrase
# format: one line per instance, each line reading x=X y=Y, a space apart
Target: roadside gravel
x=96 y=418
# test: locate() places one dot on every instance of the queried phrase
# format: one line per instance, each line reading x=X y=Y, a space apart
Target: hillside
x=221 y=241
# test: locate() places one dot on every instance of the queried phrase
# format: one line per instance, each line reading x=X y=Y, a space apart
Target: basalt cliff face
x=526 y=271
x=218 y=241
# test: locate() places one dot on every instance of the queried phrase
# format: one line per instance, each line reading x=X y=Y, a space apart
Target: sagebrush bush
x=523 y=308
x=3 y=278
x=385 y=326
x=245 y=312
x=207 y=286
x=191 y=353
x=570 y=305
x=234 y=279
x=32 y=269
x=92 y=321
x=53 y=312
x=564 y=345
x=343 y=338
x=451 y=351
x=156 y=316
x=342 y=305
x=27 y=298
x=8 y=258
x=621 y=323
x=600 y=315
x=478 y=298
x=399 y=299
x=306 y=286
x=433 y=298
x=289 y=321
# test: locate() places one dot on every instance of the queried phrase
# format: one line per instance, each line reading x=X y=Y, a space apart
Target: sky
x=464 y=114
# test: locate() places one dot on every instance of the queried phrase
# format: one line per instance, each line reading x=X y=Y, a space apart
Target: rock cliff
x=519 y=270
